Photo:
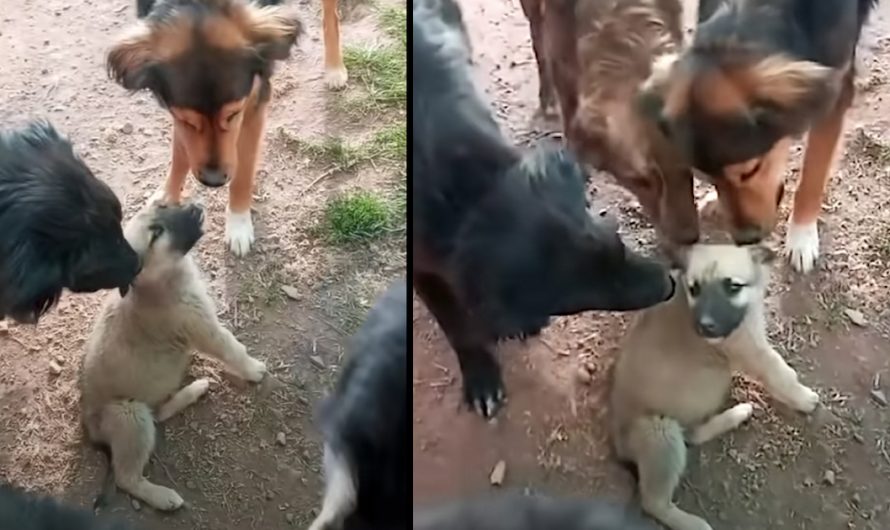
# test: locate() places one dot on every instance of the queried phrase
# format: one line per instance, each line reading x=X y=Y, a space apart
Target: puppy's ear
x=787 y=83
x=762 y=254
x=131 y=61
x=273 y=30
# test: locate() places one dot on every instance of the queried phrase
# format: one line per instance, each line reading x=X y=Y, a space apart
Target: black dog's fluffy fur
x=20 y=510
x=513 y=511
x=367 y=420
x=502 y=240
x=60 y=226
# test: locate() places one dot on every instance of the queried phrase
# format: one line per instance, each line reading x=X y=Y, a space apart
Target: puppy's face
x=162 y=235
x=61 y=225
x=734 y=115
x=533 y=250
x=209 y=64
x=721 y=282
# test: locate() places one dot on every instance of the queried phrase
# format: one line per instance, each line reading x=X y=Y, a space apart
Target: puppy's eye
x=156 y=232
x=694 y=289
x=733 y=287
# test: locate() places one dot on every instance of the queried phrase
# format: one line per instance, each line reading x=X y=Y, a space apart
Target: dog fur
x=22 y=510
x=61 y=225
x=141 y=345
x=757 y=74
x=514 y=511
x=675 y=367
x=503 y=240
x=595 y=55
x=210 y=63
x=367 y=423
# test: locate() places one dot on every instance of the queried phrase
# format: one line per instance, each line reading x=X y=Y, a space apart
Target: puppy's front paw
x=335 y=77
x=483 y=387
x=239 y=232
x=802 y=244
x=254 y=370
x=807 y=400
x=164 y=499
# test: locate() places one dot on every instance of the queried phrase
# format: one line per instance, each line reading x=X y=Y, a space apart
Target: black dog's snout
x=213 y=177
x=707 y=327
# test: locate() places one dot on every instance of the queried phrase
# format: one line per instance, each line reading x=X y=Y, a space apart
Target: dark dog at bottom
x=366 y=424
x=514 y=511
x=60 y=226
x=20 y=510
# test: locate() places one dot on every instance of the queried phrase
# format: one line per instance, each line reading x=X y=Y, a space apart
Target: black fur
x=513 y=511
x=502 y=239
x=367 y=419
x=61 y=226
x=20 y=510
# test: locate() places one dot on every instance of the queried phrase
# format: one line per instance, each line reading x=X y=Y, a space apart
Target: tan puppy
x=142 y=344
x=675 y=369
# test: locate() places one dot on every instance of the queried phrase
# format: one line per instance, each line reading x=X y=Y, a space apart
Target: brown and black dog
x=593 y=57
x=757 y=74
x=209 y=62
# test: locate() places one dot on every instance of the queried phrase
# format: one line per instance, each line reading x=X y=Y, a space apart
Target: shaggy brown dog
x=758 y=73
x=209 y=62
x=596 y=54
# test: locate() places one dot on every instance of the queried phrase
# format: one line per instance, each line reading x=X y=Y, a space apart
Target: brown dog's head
x=732 y=106
x=208 y=62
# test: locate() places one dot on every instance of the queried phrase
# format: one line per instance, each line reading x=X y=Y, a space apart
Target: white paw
x=807 y=400
x=335 y=78
x=741 y=413
x=255 y=370
x=165 y=499
x=200 y=386
x=802 y=244
x=239 y=232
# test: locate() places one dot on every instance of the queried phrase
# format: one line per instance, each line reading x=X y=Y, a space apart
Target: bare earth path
x=779 y=471
x=243 y=457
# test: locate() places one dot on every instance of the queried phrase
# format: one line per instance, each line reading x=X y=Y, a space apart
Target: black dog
x=366 y=425
x=20 y=510
x=513 y=511
x=61 y=226
x=502 y=241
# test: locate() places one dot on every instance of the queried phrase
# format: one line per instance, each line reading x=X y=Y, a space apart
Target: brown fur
x=597 y=53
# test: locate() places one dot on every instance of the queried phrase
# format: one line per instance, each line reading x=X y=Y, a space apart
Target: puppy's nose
x=749 y=235
x=213 y=177
x=707 y=327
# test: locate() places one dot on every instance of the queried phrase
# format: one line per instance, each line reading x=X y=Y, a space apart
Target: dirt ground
x=242 y=457
x=831 y=471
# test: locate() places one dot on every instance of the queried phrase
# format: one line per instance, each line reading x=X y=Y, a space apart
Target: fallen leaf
x=498 y=473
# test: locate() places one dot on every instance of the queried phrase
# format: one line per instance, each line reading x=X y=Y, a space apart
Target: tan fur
x=139 y=352
x=670 y=384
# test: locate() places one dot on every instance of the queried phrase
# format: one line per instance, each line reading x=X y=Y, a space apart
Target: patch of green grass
x=357 y=217
x=391 y=143
x=381 y=72
x=394 y=20
x=332 y=150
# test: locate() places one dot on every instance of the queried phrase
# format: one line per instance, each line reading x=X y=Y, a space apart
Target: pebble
x=828 y=477
x=54 y=368
x=127 y=128
x=291 y=292
x=289 y=517
x=280 y=439
x=316 y=360
x=879 y=397
x=856 y=317
x=135 y=504
x=498 y=473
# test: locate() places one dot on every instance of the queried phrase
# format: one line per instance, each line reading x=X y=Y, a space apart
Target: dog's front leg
x=757 y=357
x=179 y=168
x=335 y=72
x=210 y=337
x=239 y=224
x=483 y=387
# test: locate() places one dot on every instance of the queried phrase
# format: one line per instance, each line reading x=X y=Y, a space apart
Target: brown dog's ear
x=273 y=30
x=131 y=61
x=762 y=254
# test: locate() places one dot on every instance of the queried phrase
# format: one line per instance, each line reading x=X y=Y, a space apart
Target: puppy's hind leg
x=186 y=396
x=657 y=446
x=339 y=493
x=128 y=428
x=721 y=423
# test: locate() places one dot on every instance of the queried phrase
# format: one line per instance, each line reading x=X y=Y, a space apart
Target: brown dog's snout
x=212 y=177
